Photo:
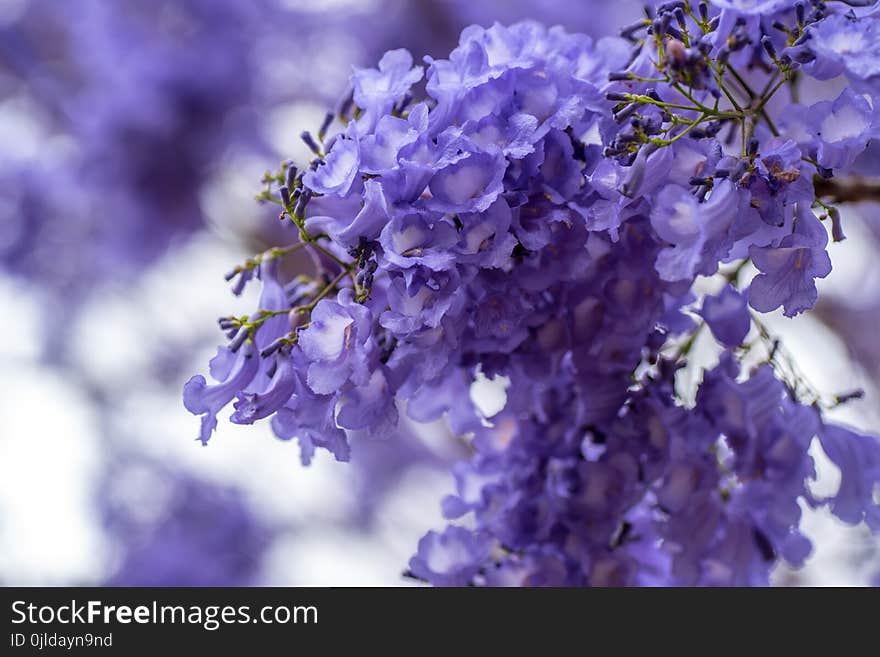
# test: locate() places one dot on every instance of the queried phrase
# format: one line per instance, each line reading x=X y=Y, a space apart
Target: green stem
x=696 y=107
x=752 y=96
x=667 y=142
x=323 y=293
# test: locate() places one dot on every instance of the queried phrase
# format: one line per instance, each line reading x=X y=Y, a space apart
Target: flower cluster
x=536 y=209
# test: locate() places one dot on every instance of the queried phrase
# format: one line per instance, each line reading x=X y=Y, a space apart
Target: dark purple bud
x=675 y=33
x=769 y=47
x=274 y=346
x=271 y=348
x=825 y=172
x=290 y=175
x=836 y=228
x=849 y=396
x=239 y=339
x=802 y=39
x=713 y=24
x=328 y=119
x=619 y=76
x=722 y=173
x=346 y=105
x=625 y=138
x=306 y=136
x=698 y=181
x=617 y=97
x=701 y=191
x=679 y=17
x=723 y=55
x=713 y=128
x=652 y=126
x=778 y=25
x=299 y=209
x=626 y=112
x=803 y=56
x=285 y=195
x=753 y=147
x=799 y=12
x=660 y=25
x=242 y=282
x=704 y=11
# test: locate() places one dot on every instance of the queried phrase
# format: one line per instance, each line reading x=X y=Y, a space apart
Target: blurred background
x=133 y=136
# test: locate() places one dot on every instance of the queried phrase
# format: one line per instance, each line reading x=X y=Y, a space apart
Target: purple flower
x=690 y=228
x=415 y=240
x=421 y=299
x=337 y=344
x=367 y=223
x=376 y=90
x=380 y=149
x=842 y=128
x=311 y=420
x=239 y=365
x=235 y=371
x=369 y=407
x=858 y=457
x=449 y=559
x=470 y=184
x=727 y=314
x=843 y=44
x=515 y=135
x=336 y=175
x=779 y=180
x=789 y=271
x=253 y=406
x=485 y=239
